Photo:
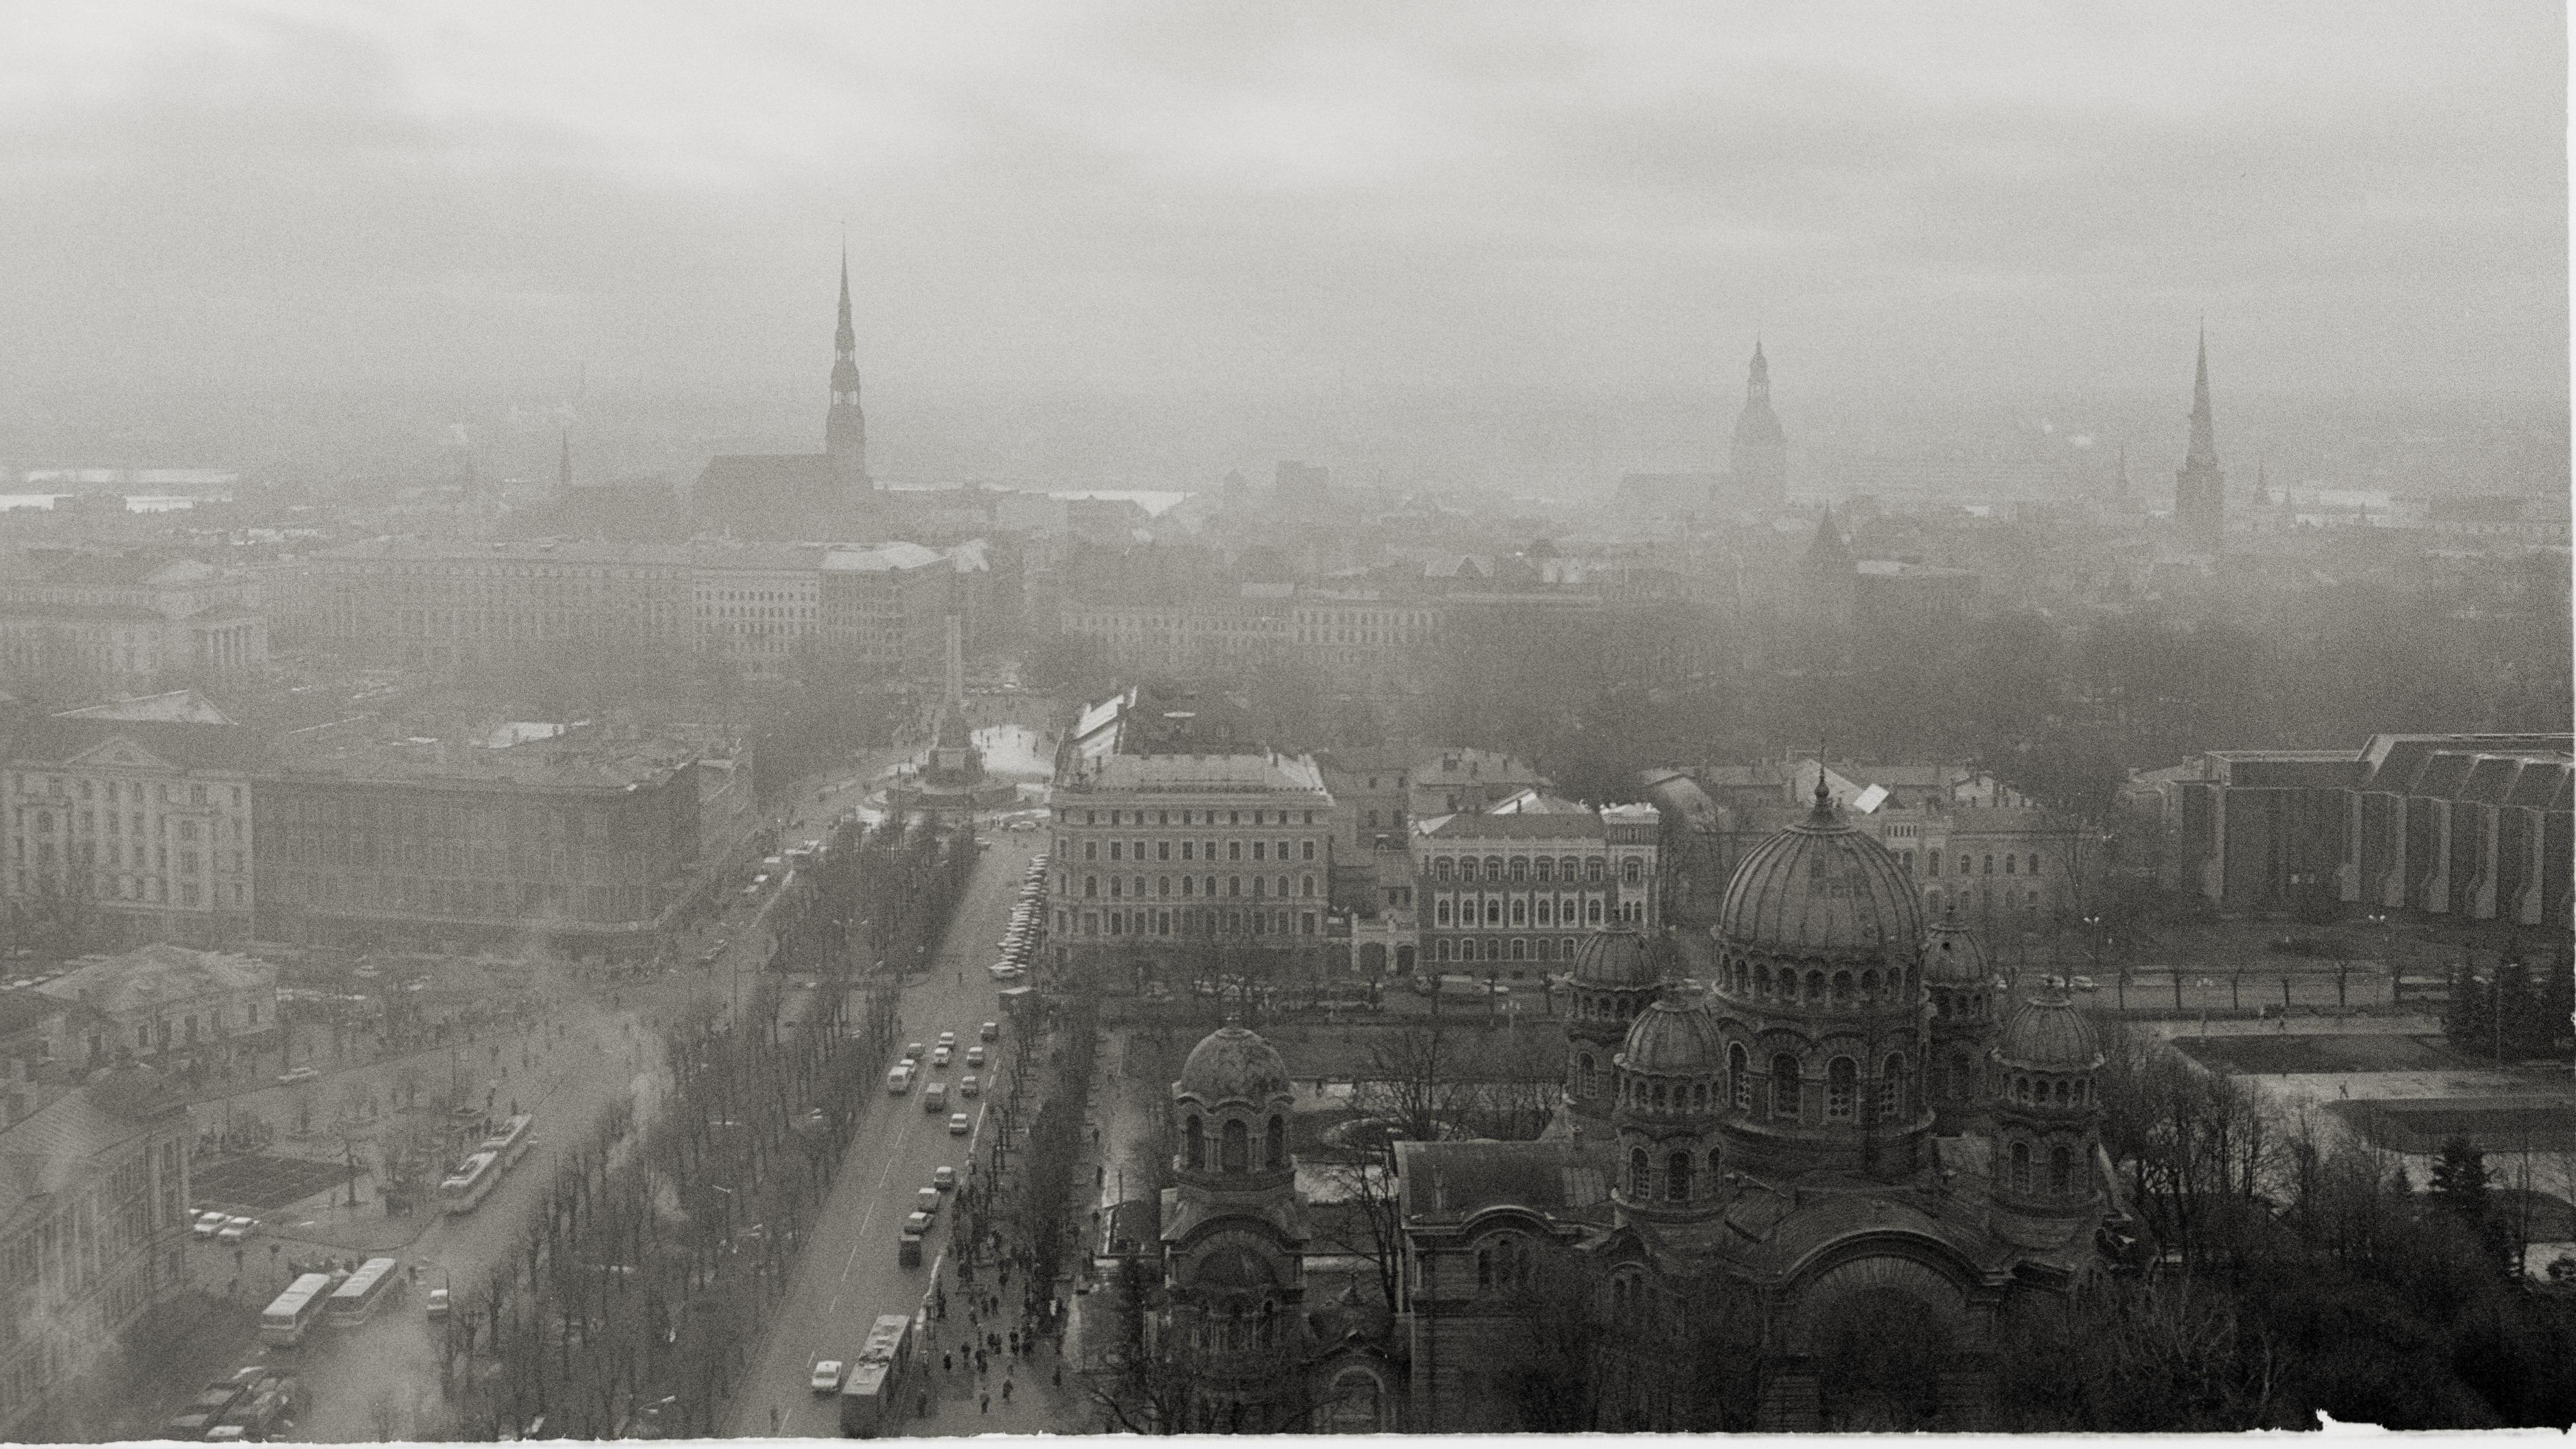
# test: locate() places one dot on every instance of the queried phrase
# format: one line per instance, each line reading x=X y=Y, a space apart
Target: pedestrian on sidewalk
x=773 y=1419
x=945 y=1366
x=1006 y=1391
x=984 y=1403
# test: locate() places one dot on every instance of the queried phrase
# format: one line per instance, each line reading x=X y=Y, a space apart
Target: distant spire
x=1824 y=795
x=2200 y=488
x=2204 y=431
x=845 y=428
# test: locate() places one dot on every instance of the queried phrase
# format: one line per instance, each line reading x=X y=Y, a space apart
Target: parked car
x=990 y=1031
x=2085 y=983
x=943 y=1178
x=436 y=1304
x=236 y=1230
x=912 y=1051
x=958 y=1126
x=209 y=1224
x=1004 y=971
x=292 y=1075
x=827 y=1376
x=927 y=1201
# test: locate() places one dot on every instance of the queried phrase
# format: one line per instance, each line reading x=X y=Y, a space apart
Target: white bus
x=286 y=1317
x=354 y=1301
x=472 y=1182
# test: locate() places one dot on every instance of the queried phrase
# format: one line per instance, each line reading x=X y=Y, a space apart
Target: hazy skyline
x=1175 y=200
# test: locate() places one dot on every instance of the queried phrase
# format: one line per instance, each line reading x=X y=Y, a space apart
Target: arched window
x=1784 y=1086
x=1699 y=1096
x=2061 y=1172
x=2034 y=864
x=2021 y=1090
x=1592 y=912
x=1441 y=949
x=1631 y=871
x=1583 y=1075
x=1443 y=868
x=1274 y=1145
x=1739 y=1079
x=1519 y=869
x=1815 y=986
x=1236 y=1148
x=1891 y=1087
x=2021 y=1167
x=1962 y=1081
x=1659 y=1096
x=1640 y=1187
x=1842 y=988
x=1677 y=1177
x=1440 y=914
x=1842 y=1081
x=1869 y=984
x=1194 y=1143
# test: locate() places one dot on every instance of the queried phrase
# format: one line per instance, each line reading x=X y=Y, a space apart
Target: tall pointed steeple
x=2200 y=488
x=1758 y=459
x=845 y=428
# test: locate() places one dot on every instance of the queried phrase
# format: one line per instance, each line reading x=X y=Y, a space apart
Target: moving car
x=974 y=1056
x=939 y=1056
x=292 y=1075
x=899 y=1080
x=827 y=1376
x=948 y=1038
x=916 y=1223
x=235 y=1230
x=968 y=1085
x=934 y=1098
x=209 y=1224
x=943 y=1178
x=958 y=1126
x=912 y=1051
x=990 y=1031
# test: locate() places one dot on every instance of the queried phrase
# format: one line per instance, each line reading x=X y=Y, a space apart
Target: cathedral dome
x=1675 y=1039
x=1233 y=1063
x=1821 y=887
x=2048 y=1034
x=1615 y=957
x=1952 y=957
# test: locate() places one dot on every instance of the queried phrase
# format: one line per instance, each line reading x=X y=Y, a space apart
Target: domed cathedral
x=1774 y=1231
x=1961 y=985
x=1234 y=1237
x=1618 y=970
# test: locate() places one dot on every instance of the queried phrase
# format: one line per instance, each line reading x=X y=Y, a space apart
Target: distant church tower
x=1758 y=460
x=845 y=430
x=2200 y=489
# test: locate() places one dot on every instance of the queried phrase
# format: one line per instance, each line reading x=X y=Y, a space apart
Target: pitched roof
x=61 y=739
x=1584 y=826
x=1450 y=1182
x=157 y=973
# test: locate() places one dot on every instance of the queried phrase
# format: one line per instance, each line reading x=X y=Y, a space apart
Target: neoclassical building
x=1801 y=1199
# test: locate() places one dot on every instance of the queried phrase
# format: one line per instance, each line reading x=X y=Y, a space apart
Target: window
x=1841 y=1089
x=1677 y=1177
x=1891 y=1087
x=1583 y=1075
x=1631 y=871
x=1236 y=1148
x=2021 y=1167
x=1194 y=1143
x=1274 y=1146
x=1784 y=1086
x=1592 y=870
x=1739 y=1079
x=2034 y=864
x=1440 y=914
x=1640 y=1183
x=1990 y=865
x=2061 y=1172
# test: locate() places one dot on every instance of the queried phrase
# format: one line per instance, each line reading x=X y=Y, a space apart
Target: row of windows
x=1234 y=1145
x=1786 y=1098
x=1121 y=886
x=1758 y=981
x=1540 y=868
x=1546 y=911
x=1234 y=849
x=2061 y=1170
x=1519 y=948
x=1932 y=861
x=1193 y=921
x=1188 y=817
x=133 y=790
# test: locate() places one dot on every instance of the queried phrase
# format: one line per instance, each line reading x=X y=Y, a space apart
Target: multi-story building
x=1361 y=631
x=565 y=836
x=1514 y=891
x=759 y=604
x=1166 y=861
x=418 y=602
x=165 y=1005
x=2459 y=828
x=131 y=822
x=119 y=620
x=885 y=609
x=1224 y=633
x=1970 y=844
x=1468 y=782
x=93 y=1233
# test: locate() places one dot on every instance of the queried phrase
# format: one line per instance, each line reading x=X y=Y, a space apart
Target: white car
x=1003 y=971
x=436 y=1307
x=209 y=1224
x=236 y=1230
x=292 y=1075
x=948 y=1038
x=827 y=1376
x=968 y=1086
x=939 y=1056
x=958 y=1125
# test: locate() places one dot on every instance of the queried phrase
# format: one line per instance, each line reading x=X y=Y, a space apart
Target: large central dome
x=1821 y=888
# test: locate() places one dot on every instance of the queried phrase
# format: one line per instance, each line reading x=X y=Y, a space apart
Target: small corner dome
x=1673 y=1038
x=1952 y=957
x=1233 y=1063
x=2049 y=1035
x=1614 y=957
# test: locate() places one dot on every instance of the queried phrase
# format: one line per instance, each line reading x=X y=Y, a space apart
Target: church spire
x=1758 y=458
x=2204 y=433
x=2200 y=488
x=845 y=428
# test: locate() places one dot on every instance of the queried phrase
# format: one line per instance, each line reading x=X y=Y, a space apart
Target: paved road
x=849 y=1273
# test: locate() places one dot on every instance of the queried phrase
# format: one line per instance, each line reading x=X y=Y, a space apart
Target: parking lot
x=257 y=1184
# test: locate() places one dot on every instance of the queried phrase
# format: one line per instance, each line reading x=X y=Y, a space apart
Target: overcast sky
x=1203 y=196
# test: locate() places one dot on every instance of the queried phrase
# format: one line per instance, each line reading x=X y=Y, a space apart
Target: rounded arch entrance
x=1878 y=1330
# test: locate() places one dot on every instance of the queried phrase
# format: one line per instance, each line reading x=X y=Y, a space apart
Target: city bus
x=872 y=1394
x=465 y=1189
x=355 y=1301
x=290 y=1313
